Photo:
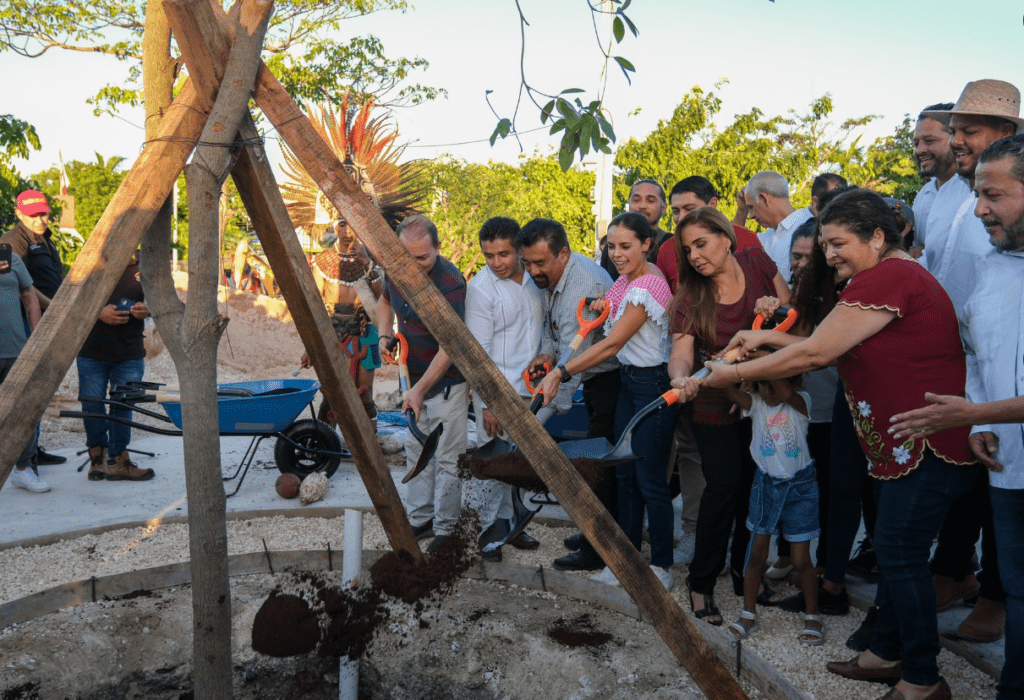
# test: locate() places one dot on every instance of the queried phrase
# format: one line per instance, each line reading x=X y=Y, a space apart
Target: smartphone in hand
x=124 y=305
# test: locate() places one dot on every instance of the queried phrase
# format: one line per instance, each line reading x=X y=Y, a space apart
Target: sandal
x=817 y=634
x=709 y=608
x=738 y=631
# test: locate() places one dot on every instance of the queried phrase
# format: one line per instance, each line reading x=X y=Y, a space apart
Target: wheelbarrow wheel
x=317 y=437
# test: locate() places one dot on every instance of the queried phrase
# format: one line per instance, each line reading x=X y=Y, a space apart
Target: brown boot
x=97 y=463
x=949 y=592
x=986 y=622
x=121 y=468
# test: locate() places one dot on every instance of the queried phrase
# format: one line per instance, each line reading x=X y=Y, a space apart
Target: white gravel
x=28 y=570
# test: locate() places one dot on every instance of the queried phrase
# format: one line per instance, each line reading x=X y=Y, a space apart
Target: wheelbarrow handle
x=782 y=320
x=526 y=378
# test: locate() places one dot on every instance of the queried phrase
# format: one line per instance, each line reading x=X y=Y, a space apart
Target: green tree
x=888 y=165
x=467 y=194
x=17 y=140
x=299 y=46
x=797 y=145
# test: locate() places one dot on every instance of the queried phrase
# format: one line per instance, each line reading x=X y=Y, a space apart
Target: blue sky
x=875 y=57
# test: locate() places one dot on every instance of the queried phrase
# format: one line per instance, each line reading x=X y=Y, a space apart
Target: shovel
x=429 y=442
x=496 y=447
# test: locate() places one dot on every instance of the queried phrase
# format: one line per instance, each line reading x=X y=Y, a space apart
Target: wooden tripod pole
x=572 y=492
x=194 y=24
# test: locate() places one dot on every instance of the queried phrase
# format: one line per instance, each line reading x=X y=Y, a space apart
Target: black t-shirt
x=122 y=342
x=40 y=257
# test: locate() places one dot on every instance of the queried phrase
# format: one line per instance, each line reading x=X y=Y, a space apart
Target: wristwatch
x=565 y=373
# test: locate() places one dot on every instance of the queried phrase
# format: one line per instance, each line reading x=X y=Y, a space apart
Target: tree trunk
x=192 y=333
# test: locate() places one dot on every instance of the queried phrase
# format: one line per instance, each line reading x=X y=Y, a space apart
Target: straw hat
x=985 y=98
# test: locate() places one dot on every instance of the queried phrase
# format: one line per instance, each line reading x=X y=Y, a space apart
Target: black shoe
x=828 y=603
x=574 y=542
x=44 y=457
x=524 y=541
x=494 y=555
x=861 y=639
x=864 y=563
x=425 y=530
x=437 y=543
x=580 y=560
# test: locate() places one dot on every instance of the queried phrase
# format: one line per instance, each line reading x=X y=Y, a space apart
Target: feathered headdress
x=369 y=150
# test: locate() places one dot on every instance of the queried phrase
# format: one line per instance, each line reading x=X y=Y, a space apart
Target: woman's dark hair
x=862 y=212
x=814 y=287
x=700 y=291
x=636 y=223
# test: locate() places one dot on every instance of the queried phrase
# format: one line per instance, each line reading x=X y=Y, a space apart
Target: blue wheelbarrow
x=257 y=409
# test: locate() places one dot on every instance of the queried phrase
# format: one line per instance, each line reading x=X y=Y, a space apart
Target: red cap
x=32 y=203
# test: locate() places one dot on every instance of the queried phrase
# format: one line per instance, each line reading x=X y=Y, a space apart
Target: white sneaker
x=683 y=553
x=28 y=480
x=665 y=576
x=606 y=577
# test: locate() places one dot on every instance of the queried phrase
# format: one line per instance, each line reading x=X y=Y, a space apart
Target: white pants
x=437 y=492
x=492 y=500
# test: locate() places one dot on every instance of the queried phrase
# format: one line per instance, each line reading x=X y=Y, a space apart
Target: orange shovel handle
x=526 y=378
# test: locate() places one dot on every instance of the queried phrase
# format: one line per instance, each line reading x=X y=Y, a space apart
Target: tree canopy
x=467 y=194
x=798 y=145
x=300 y=48
x=17 y=139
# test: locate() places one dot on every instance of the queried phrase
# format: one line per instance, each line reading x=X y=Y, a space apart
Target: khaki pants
x=437 y=492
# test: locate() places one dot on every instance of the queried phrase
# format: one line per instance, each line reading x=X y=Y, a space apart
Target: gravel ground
x=33 y=569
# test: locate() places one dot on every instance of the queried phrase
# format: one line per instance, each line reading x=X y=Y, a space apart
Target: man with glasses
x=30 y=240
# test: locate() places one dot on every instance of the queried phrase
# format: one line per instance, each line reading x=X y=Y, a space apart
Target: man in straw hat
x=988 y=110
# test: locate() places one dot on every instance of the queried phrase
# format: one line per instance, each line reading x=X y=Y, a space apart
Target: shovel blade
x=429 y=448
x=494 y=448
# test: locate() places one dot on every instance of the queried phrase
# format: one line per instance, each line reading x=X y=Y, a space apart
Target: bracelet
x=738 y=372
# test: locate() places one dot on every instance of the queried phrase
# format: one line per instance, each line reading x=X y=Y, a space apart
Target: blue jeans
x=1008 y=516
x=789 y=506
x=27 y=458
x=644 y=482
x=94 y=376
x=911 y=510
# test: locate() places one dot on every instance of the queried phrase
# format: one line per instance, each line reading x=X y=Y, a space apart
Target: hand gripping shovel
x=781 y=320
x=429 y=442
x=498 y=446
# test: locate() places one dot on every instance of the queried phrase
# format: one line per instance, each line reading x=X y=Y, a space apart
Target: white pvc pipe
x=351 y=568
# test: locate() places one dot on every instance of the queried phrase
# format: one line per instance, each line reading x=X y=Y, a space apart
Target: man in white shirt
x=767 y=197
x=505 y=313
x=992 y=327
x=943 y=194
x=986 y=111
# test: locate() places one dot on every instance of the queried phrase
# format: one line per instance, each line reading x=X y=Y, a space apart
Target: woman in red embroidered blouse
x=715 y=298
x=893 y=335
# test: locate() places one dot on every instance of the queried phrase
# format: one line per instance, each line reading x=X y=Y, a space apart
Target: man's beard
x=1013 y=234
x=541 y=281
